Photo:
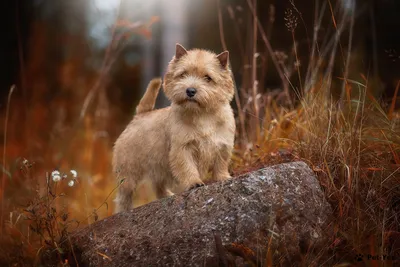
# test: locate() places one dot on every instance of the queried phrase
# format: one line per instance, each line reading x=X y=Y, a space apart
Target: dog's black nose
x=191 y=92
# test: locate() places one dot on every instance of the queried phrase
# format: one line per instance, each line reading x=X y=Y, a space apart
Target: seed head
x=290 y=20
x=56 y=178
x=74 y=173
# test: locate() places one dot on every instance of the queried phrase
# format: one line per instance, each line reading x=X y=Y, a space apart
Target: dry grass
x=73 y=132
x=351 y=142
x=354 y=151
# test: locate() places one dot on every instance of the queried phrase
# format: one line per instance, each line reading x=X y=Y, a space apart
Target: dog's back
x=145 y=135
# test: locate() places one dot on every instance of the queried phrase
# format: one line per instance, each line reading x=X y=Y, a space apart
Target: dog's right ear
x=180 y=51
x=223 y=58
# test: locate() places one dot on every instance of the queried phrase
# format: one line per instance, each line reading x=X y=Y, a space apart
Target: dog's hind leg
x=124 y=199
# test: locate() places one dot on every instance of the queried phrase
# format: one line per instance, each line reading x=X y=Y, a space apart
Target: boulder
x=277 y=214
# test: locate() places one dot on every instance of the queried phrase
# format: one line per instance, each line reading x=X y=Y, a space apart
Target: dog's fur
x=177 y=146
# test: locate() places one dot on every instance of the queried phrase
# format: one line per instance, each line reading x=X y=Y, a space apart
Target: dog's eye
x=183 y=75
x=207 y=78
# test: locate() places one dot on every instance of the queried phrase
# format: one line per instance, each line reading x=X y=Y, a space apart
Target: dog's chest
x=206 y=137
x=208 y=144
x=206 y=152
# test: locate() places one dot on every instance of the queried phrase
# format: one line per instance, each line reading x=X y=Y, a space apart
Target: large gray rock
x=222 y=224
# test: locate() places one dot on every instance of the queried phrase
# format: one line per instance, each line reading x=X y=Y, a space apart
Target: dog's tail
x=149 y=98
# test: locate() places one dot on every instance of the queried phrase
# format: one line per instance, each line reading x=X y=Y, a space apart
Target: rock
x=222 y=224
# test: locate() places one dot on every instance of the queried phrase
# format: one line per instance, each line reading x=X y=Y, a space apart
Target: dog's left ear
x=223 y=58
x=180 y=51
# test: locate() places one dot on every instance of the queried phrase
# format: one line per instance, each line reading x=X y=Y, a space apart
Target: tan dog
x=177 y=146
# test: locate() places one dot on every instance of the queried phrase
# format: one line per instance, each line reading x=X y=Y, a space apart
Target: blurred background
x=60 y=44
x=80 y=67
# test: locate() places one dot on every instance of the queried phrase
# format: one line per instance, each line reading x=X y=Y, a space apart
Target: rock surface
x=227 y=223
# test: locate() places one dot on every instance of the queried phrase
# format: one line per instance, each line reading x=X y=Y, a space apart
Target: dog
x=176 y=147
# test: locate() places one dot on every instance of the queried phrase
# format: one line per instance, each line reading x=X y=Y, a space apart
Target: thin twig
x=297 y=63
x=237 y=99
x=302 y=20
x=254 y=72
x=106 y=65
x=3 y=180
x=22 y=69
x=221 y=27
x=394 y=100
x=338 y=32
x=309 y=82
x=335 y=26
x=346 y=72
x=271 y=52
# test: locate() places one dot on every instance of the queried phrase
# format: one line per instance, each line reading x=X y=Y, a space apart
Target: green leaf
x=356 y=82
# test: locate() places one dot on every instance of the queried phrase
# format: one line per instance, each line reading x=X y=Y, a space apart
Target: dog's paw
x=222 y=178
x=196 y=185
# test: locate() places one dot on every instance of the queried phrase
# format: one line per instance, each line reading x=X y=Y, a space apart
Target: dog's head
x=198 y=79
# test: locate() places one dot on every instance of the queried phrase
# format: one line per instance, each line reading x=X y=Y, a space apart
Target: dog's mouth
x=188 y=100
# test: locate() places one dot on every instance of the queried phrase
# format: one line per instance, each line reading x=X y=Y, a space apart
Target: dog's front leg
x=184 y=167
x=220 y=171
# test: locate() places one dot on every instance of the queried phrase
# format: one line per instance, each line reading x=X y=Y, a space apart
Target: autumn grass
x=39 y=213
x=351 y=142
x=354 y=150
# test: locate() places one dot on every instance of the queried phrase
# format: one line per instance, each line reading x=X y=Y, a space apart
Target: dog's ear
x=223 y=58
x=180 y=51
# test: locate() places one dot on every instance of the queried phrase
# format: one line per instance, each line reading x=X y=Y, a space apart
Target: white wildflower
x=56 y=177
x=74 y=173
x=71 y=183
x=55 y=172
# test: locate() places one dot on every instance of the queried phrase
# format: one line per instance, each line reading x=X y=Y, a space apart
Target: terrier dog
x=176 y=147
